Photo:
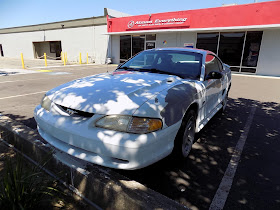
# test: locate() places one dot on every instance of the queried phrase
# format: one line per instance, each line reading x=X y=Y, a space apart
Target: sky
x=15 y=13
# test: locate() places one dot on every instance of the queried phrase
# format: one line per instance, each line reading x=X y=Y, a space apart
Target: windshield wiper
x=126 y=68
x=154 y=70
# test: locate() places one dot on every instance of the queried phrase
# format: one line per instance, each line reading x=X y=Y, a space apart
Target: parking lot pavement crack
x=221 y=195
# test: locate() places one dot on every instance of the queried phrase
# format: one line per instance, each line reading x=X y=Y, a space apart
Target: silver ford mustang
x=149 y=107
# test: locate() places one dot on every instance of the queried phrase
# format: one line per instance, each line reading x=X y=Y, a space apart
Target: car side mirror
x=214 y=75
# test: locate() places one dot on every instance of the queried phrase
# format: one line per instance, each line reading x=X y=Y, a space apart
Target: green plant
x=24 y=187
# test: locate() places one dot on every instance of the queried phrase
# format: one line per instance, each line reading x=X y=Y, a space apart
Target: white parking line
x=256 y=76
x=221 y=195
x=62 y=66
x=24 y=80
x=12 y=72
x=28 y=94
x=45 y=78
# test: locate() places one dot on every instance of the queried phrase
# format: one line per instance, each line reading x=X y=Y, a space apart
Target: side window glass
x=212 y=64
x=219 y=65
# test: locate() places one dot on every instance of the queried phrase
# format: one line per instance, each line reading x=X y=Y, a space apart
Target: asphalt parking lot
x=235 y=162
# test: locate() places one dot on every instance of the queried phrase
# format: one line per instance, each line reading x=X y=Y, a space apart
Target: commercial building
x=246 y=37
x=83 y=36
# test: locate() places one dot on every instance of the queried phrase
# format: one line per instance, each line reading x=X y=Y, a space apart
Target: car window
x=212 y=64
x=142 y=60
x=181 y=63
x=182 y=58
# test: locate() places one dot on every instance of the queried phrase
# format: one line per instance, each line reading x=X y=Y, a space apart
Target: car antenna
x=107 y=65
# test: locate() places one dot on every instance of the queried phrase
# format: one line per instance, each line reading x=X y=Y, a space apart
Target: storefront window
x=230 y=48
x=235 y=68
x=131 y=45
x=138 y=42
x=151 y=37
x=208 y=41
x=251 y=51
x=125 y=47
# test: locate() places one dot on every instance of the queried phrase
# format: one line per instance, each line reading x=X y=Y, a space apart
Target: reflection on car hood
x=111 y=93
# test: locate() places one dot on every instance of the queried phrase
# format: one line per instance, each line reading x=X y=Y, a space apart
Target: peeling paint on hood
x=111 y=93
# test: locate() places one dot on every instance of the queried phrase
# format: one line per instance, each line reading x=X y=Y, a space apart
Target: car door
x=213 y=86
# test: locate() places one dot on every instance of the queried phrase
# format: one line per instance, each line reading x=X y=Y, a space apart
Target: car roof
x=182 y=49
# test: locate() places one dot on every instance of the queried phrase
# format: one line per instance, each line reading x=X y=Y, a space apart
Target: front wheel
x=185 y=136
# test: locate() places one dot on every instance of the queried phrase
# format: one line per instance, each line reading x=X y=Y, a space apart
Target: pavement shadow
x=102 y=186
x=30 y=122
x=256 y=184
x=194 y=181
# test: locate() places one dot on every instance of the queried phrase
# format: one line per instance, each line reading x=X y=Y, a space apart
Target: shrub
x=24 y=187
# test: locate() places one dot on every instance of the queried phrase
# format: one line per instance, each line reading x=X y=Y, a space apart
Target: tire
x=186 y=136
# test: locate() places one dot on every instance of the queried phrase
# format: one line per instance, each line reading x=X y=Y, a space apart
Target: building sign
x=150 y=45
x=189 y=45
x=264 y=13
x=158 y=23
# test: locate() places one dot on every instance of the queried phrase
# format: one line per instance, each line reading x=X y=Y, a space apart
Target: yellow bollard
x=87 y=58
x=80 y=60
x=45 y=56
x=66 y=56
x=22 y=61
x=64 y=59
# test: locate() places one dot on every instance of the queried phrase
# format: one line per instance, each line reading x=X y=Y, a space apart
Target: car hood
x=111 y=93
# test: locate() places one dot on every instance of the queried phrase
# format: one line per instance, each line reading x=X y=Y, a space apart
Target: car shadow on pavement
x=194 y=181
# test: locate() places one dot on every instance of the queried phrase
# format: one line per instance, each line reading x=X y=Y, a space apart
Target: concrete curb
x=98 y=185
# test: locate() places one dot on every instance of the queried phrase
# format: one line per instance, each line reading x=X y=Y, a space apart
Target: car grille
x=74 y=112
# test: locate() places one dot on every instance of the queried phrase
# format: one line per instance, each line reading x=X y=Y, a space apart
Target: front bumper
x=78 y=137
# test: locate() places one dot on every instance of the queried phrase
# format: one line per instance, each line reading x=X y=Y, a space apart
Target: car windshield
x=181 y=63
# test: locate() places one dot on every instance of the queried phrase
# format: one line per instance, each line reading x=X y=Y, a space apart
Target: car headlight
x=129 y=124
x=46 y=103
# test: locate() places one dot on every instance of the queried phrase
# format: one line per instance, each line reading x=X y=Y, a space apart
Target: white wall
x=16 y=43
x=73 y=41
x=269 y=62
x=89 y=40
x=115 y=43
x=175 y=39
x=101 y=42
